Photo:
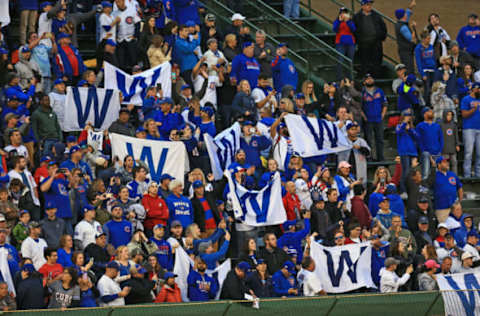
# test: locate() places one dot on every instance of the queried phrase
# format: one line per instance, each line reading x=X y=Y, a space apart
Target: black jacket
x=121 y=128
x=415 y=214
x=199 y=213
x=380 y=27
x=274 y=260
x=233 y=287
x=140 y=292
x=30 y=293
x=261 y=289
x=100 y=257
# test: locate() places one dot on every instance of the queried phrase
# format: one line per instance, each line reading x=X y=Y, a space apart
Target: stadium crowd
x=82 y=228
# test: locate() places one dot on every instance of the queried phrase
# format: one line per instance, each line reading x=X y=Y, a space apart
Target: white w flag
x=222 y=149
x=95 y=139
x=343 y=268
x=183 y=265
x=460 y=293
x=134 y=87
x=257 y=208
x=314 y=137
x=98 y=106
x=5 y=270
x=160 y=157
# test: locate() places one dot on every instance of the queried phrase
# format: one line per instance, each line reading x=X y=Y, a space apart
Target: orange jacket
x=169 y=295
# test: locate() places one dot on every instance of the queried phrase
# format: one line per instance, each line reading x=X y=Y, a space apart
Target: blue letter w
x=470 y=284
x=84 y=112
x=146 y=156
x=344 y=257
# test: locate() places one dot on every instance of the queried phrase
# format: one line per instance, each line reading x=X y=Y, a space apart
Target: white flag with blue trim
x=134 y=87
x=315 y=137
x=257 y=208
x=222 y=149
x=97 y=106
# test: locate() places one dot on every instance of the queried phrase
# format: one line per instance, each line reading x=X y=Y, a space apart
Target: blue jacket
x=169 y=122
x=451 y=88
x=186 y=10
x=164 y=253
x=253 y=149
x=148 y=108
x=58 y=193
x=469 y=38
x=293 y=241
x=342 y=189
x=463 y=87
x=64 y=258
x=284 y=73
x=211 y=259
x=62 y=65
x=406 y=97
x=430 y=138
x=245 y=68
x=425 y=59
x=197 y=290
x=17 y=91
x=28 y=5
x=118 y=233
x=406 y=141
x=373 y=104
x=69 y=164
x=445 y=189
x=281 y=284
x=180 y=208
x=184 y=52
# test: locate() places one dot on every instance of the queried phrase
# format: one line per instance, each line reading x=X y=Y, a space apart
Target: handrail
x=252 y=26
x=304 y=34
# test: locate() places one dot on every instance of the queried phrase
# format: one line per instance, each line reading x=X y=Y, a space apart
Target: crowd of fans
x=85 y=229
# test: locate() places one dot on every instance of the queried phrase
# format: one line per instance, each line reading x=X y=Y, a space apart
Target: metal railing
x=308 y=7
x=307 y=37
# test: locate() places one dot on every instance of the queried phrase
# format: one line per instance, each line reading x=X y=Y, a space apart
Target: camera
x=252 y=130
x=61 y=171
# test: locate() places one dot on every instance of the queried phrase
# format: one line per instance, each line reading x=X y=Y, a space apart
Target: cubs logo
x=99 y=229
x=291 y=68
x=129 y=20
x=449 y=132
x=127 y=229
x=452 y=181
x=254 y=143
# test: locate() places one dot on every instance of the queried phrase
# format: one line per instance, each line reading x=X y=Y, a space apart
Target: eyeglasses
x=338 y=237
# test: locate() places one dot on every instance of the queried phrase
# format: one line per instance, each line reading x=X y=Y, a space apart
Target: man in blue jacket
x=471 y=129
x=447 y=189
x=186 y=10
x=70 y=72
x=201 y=287
x=426 y=63
x=283 y=69
x=292 y=239
x=468 y=37
x=284 y=280
x=185 y=52
x=408 y=95
x=430 y=140
x=208 y=253
x=245 y=66
x=253 y=143
x=168 y=120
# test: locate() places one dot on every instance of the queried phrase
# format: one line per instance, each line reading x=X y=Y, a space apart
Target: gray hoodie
x=450 y=135
x=26 y=69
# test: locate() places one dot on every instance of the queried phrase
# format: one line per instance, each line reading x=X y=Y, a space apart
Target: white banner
x=5 y=270
x=222 y=149
x=95 y=139
x=344 y=268
x=160 y=157
x=314 y=137
x=257 y=208
x=97 y=106
x=460 y=293
x=134 y=87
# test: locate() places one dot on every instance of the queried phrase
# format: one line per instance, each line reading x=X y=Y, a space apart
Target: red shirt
x=291 y=202
x=40 y=174
x=52 y=270
x=157 y=211
x=72 y=59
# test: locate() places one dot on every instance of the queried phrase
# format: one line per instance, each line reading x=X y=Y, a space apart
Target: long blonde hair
x=309 y=98
x=376 y=178
x=156 y=132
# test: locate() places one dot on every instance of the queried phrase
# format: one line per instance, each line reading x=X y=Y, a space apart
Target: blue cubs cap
x=440 y=159
x=260 y=261
x=207 y=110
x=45 y=4
x=366 y=1
x=74 y=149
x=219 y=202
x=300 y=95
x=244 y=266
x=113 y=265
x=28 y=267
x=168 y=275
x=23 y=212
x=247 y=44
x=25 y=49
x=140 y=129
x=88 y=207
x=166 y=176
x=280 y=45
x=110 y=42
x=472 y=233
x=350 y=125
x=3 y=51
x=289 y=266
x=185 y=86
x=425 y=109
x=49 y=205
x=12 y=98
x=53 y=162
x=406 y=112
x=190 y=23
x=399 y=13
x=62 y=35
x=158 y=226
x=197 y=184
x=45 y=158
x=58 y=81
x=383 y=198
x=81 y=83
x=71 y=139
x=247 y=123
x=289 y=224
x=169 y=100
x=411 y=78
x=106 y=4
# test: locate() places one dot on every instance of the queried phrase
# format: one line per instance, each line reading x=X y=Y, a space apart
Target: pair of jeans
x=47 y=146
x=127 y=54
x=426 y=165
x=427 y=87
x=291 y=9
x=471 y=140
x=406 y=163
x=28 y=19
x=377 y=129
x=349 y=51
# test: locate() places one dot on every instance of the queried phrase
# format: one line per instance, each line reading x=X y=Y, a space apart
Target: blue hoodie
x=425 y=59
x=469 y=38
x=197 y=286
x=293 y=240
x=184 y=50
x=180 y=208
x=406 y=141
x=211 y=259
x=169 y=121
x=406 y=97
x=245 y=68
x=17 y=91
x=445 y=189
x=430 y=138
x=253 y=149
x=284 y=73
x=164 y=253
x=186 y=10
x=281 y=284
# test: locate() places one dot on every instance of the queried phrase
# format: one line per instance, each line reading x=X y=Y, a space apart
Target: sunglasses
x=339 y=237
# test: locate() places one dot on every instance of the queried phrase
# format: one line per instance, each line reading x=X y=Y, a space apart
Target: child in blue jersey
x=201 y=287
x=165 y=252
x=292 y=239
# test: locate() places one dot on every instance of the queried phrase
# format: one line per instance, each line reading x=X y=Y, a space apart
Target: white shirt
x=212 y=58
x=126 y=26
x=258 y=95
x=21 y=150
x=31 y=182
x=57 y=101
x=311 y=283
x=471 y=249
x=34 y=250
x=443 y=35
x=390 y=282
x=107 y=20
x=85 y=232
x=211 y=91
x=4 y=13
x=107 y=286
x=303 y=193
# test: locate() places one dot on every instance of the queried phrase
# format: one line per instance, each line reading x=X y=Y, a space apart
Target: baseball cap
x=71 y=139
x=466 y=255
x=383 y=198
x=366 y=1
x=113 y=265
x=207 y=110
x=247 y=123
x=343 y=9
x=244 y=266
x=124 y=110
x=475 y=85
x=472 y=233
x=110 y=42
x=158 y=226
x=49 y=205
x=425 y=109
x=28 y=267
x=166 y=176
x=52 y=163
x=411 y=78
x=368 y=75
x=140 y=129
x=197 y=184
x=452 y=43
x=12 y=98
x=167 y=100
x=473 y=15
x=289 y=266
x=168 y=275
x=219 y=202
x=202 y=247
x=344 y=164
x=185 y=86
x=23 y=212
x=288 y=224
x=280 y=45
x=88 y=207
x=246 y=44
x=442 y=225
x=260 y=261
x=82 y=82
x=34 y=224
x=210 y=17
x=58 y=81
x=25 y=49
x=431 y=264
x=423 y=199
x=190 y=23
x=74 y=149
x=237 y=16
x=62 y=35
x=400 y=66
x=399 y=13
x=300 y=95
x=44 y=4
x=440 y=159
x=423 y=220
x=3 y=51
x=106 y=4
x=100 y=234
x=391 y=261
x=175 y=223
x=350 y=125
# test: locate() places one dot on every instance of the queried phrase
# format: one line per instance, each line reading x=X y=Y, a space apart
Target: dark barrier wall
x=405 y=304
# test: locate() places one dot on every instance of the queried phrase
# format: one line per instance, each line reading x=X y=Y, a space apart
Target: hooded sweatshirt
x=26 y=69
x=450 y=134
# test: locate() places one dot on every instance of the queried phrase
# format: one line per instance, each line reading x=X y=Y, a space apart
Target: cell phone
x=159 y=86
